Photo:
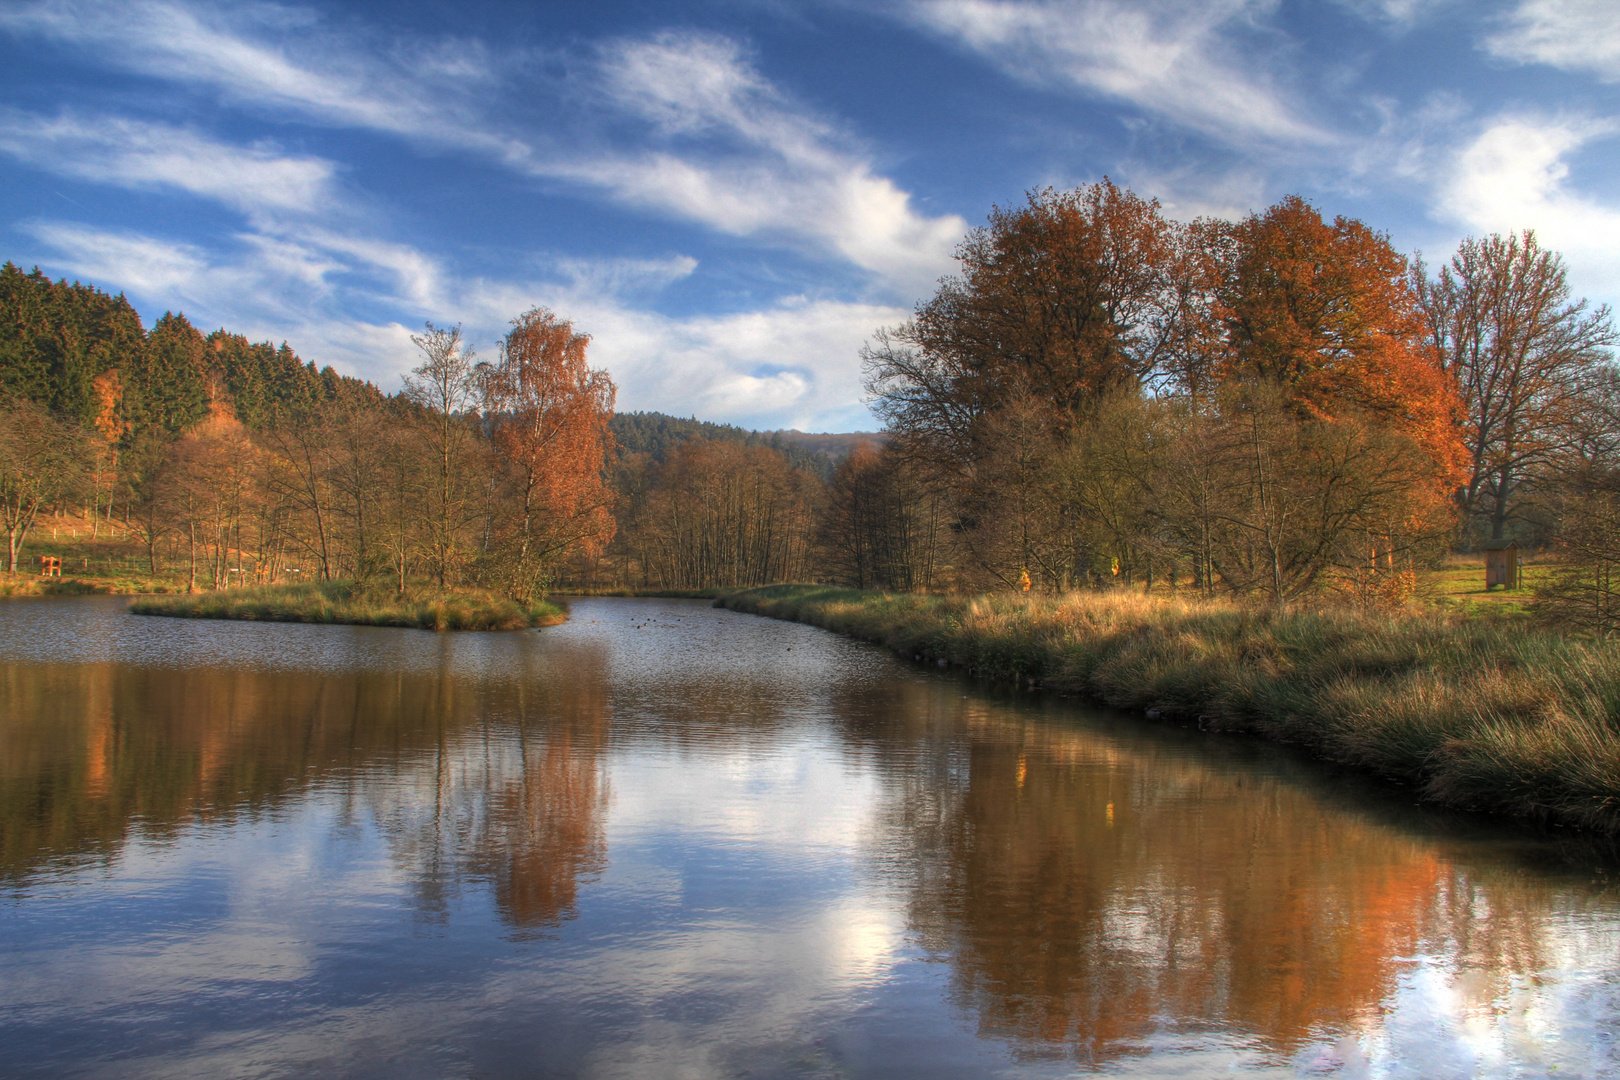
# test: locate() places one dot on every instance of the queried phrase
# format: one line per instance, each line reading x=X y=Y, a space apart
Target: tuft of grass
x=1479 y=713
x=343 y=602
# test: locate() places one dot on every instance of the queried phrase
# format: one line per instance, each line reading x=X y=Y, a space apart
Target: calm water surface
x=669 y=841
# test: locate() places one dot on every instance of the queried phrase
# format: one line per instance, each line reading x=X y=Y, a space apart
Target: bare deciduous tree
x=446 y=387
x=1521 y=353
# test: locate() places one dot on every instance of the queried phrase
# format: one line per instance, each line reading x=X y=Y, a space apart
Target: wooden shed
x=1501 y=564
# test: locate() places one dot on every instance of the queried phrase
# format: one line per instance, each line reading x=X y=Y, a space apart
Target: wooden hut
x=1502 y=563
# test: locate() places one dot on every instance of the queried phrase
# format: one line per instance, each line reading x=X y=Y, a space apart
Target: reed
x=1482 y=714
x=343 y=602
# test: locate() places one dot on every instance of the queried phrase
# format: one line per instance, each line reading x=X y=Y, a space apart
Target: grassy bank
x=18 y=585
x=340 y=602
x=1474 y=713
x=661 y=594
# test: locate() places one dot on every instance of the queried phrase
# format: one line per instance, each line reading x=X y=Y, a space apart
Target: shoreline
x=1473 y=716
x=338 y=603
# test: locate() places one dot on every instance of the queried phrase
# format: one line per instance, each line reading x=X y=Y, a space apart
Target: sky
x=732 y=196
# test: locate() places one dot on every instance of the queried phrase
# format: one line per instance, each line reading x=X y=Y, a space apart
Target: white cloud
x=793 y=364
x=133 y=154
x=1515 y=176
x=1575 y=35
x=122 y=261
x=767 y=167
x=1402 y=13
x=1168 y=58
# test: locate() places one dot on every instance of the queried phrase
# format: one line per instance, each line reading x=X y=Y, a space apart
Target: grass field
x=107 y=564
x=1486 y=713
x=1458 y=586
x=341 y=602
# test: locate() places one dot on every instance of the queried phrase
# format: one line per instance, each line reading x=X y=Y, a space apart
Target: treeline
x=1277 y=407
x=251 y=465
x=1271 y=407
x=658 y=435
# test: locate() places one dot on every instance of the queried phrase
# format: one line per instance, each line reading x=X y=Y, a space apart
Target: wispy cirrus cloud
x=129 y=153
x=275 y=57
x=733 y=153
x=1169 y=58
x=1575 y=35
x=741 y=158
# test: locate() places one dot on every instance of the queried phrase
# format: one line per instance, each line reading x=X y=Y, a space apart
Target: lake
x=665 y=840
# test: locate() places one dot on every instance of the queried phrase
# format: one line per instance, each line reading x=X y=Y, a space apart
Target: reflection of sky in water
x=668 y=841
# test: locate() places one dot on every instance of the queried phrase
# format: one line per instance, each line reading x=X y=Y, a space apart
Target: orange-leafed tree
x=111 y=427
x=550 y=412
x=1326 y=312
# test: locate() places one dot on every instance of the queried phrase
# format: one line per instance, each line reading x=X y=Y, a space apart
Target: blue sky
x=731 y=196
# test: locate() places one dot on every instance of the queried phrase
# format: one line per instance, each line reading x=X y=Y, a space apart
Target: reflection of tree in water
x=1091 y=891
x=496 y=780
x=90 y=752
x=512 y=797
x=544 y=827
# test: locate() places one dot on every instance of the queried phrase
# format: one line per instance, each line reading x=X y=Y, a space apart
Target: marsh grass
x=18 y=585
x=343 y=602
x=664 y=594
x=1479 y=713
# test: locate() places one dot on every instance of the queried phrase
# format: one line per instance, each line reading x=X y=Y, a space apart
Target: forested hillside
x=84 y=354
x=658 y=434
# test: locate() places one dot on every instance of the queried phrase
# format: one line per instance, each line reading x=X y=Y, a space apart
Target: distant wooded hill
x=656 y=434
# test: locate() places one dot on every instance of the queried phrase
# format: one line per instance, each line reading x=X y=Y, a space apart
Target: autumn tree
x=550 y=413
x=141 y=473
x=1299 y=499
x=1521 y=355
x=723 y=513
x=1056 y=301
x=358 y=477
x=1324 y=311
x=209 y=483
x=1583 y=591
x=304 y=458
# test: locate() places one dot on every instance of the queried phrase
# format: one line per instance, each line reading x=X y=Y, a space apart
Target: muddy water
x=669 y=841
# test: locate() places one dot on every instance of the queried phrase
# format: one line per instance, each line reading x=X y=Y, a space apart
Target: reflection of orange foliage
x=1092 y=892
x=543 y=828
x=548 y=832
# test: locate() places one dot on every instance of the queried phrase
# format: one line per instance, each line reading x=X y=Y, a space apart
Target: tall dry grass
x=1475 y=713
x=342 y=602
